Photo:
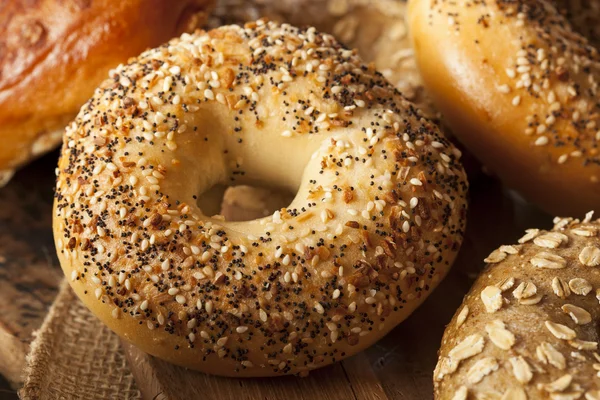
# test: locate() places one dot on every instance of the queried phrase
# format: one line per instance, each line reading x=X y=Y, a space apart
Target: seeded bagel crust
x=376 y=223
x=517 y=81
x=528 y=329
x=377 y=29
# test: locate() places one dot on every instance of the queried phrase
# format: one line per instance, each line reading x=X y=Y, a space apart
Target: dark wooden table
x=29 y=270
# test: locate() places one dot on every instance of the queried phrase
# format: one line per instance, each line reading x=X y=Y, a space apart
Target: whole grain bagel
x=528 y=329
x=53 y=54
x=517 y=81
x=376 y=223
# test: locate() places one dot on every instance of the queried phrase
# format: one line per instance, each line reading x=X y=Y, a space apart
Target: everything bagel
x=518 y=85
x=376 y=223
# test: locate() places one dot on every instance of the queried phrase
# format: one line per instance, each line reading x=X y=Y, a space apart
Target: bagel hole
x=243 y=202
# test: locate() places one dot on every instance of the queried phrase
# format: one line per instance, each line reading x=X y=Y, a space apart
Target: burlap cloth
x=74 y=356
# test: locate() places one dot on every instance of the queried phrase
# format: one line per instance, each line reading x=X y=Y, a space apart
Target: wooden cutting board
x=399 y=366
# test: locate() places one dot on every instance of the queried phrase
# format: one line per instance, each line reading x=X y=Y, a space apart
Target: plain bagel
x=518 y=85
x=528 y=329
x=54 y=53
x=376 y=223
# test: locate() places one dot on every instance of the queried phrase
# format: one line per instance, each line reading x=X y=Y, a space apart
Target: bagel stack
x=54 y=53
x=377 y=220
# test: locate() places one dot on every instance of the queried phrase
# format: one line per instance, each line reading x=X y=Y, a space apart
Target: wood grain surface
x=397 y=367
x=29 y=271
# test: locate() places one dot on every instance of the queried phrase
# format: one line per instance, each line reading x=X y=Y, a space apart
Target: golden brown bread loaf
x=54 y=53
x=528 y=329
x=519 y=87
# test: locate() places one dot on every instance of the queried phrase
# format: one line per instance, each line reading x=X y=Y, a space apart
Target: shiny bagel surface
x=376 y=223
x=518 y=85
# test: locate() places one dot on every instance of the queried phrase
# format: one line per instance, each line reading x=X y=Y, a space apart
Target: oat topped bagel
x=376 y=223
x=528 y=329
x=517 y=81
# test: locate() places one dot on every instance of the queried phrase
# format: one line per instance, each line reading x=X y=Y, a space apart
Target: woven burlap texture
x=74 y=356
